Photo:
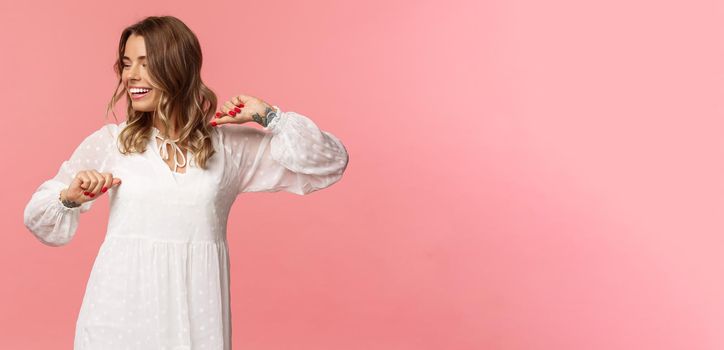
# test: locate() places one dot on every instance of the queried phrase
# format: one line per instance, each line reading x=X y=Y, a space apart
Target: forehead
x=135 y=47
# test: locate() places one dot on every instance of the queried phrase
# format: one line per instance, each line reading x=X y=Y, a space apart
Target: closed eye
x=126 y=65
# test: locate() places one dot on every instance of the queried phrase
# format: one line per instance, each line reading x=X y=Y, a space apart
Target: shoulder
x=105 y=133
x=102 y=137
x=106 y=130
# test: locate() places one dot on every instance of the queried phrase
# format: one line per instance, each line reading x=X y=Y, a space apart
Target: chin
x=141 y=107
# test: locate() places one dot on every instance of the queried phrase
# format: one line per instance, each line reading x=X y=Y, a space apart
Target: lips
x=138 y=96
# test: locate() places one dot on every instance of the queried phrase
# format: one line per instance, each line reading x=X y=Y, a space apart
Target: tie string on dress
x=164 y=153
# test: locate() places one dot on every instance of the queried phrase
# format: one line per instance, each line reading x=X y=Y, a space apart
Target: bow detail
x=164 y=153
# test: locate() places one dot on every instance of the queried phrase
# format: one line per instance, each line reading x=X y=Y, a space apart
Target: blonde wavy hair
x=174 y=60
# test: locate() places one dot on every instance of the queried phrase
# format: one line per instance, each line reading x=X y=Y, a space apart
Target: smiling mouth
x=139 y=95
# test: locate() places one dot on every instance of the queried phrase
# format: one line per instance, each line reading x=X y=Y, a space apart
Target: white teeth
x=138 y=90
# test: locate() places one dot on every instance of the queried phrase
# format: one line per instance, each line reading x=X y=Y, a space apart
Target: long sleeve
x=45 y=216
x=291 y=154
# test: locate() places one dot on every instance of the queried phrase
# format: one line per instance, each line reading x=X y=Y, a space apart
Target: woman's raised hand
x=88 y=184
x=240 y=109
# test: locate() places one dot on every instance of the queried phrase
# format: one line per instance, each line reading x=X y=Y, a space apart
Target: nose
x=133 y=73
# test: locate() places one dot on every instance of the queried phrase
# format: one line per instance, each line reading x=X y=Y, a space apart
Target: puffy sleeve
x=45 y=216
x=290 y=154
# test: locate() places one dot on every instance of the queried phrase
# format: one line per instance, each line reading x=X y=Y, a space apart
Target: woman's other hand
x=88 y=184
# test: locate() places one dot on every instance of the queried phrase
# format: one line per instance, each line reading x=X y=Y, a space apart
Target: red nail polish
x=92 y=195
x=237 y=109
x=232 y=113
x=213 y=123
x=104 y=189
x=240 y=105
x=218 y=114
x=86 y=193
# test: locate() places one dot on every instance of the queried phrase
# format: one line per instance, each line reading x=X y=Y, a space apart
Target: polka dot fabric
x=161 y=277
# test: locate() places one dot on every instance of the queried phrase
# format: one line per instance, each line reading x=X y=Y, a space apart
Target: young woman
x=172 y=170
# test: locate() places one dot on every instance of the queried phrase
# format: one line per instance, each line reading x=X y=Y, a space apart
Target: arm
x=291 y=154
x=45 y=216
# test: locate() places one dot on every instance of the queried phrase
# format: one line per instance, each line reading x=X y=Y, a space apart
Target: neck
x=168 y=133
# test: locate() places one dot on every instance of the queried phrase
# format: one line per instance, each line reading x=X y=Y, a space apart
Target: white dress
x=161 y=277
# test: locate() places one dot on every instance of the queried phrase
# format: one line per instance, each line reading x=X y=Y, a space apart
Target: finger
x=232 y=109
x=98 y=183
x=244 y=99
x=85 y=180
x=77 y=181
x=220 y=114
x=116 y=181
x=76 y=188
x=224 y=119
x=224 y=109
x=86 y=183
x=237 y=101
x=108 y=179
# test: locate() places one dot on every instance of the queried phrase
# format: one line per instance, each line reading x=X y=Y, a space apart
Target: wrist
x=67 y=201
x=266 y=118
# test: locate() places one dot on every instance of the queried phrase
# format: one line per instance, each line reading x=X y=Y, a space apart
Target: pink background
x=523 y=174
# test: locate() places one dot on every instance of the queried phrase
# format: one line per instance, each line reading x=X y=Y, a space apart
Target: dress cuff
x=271 y=125
x=62 y=206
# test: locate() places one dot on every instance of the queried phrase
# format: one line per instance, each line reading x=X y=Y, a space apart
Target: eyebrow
x=139 y=57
